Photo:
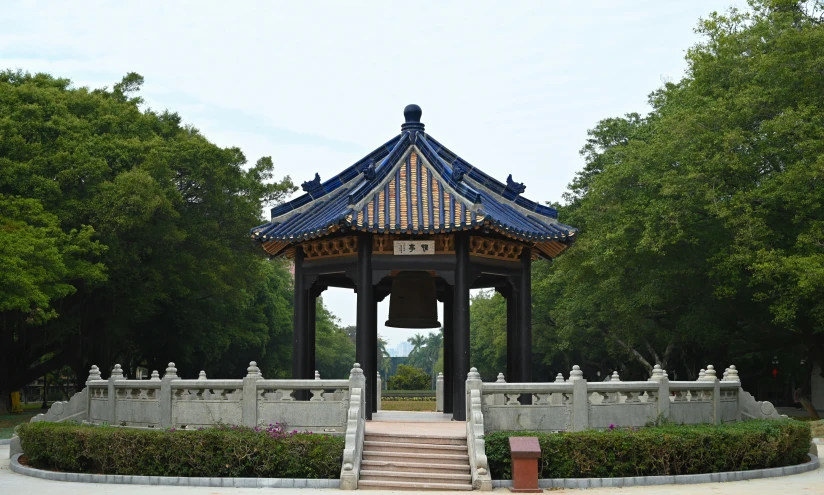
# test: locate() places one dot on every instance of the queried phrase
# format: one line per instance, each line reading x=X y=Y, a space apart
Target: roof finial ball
x=412 y=114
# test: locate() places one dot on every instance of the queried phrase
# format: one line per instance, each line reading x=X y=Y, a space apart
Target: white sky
x=512 y=87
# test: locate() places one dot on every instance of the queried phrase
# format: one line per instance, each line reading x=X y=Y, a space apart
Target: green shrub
x=659 y=451
x=409 y=378
x=212 y=452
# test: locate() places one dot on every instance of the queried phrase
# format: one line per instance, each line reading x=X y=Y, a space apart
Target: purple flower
x=611 y=427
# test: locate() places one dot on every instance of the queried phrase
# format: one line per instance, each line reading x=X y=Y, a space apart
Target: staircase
x=414 y=462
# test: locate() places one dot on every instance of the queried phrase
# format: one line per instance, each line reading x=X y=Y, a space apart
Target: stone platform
x=416 y=423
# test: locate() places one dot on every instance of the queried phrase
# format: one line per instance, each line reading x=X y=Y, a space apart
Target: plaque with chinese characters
x=414 y=247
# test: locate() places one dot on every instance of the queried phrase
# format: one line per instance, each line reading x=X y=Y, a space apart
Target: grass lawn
x=9 y=421
x=408 y=405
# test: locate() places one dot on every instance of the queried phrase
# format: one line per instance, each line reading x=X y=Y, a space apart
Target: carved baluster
x=286 y=394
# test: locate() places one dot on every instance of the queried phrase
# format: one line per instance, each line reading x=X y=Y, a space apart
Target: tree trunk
x=808 y=405
x=5 y=400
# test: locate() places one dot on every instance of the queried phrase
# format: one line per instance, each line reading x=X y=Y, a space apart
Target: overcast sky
x=512 y=87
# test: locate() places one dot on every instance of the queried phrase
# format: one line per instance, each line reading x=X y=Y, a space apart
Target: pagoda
x=415 y=222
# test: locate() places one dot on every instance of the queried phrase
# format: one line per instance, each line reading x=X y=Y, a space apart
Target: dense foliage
x=211 y=452
x=659 y=451
x=701 y=223
x=408 y=378
x=125 y=240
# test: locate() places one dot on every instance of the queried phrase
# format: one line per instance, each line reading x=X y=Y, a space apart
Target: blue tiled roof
x=414 y=185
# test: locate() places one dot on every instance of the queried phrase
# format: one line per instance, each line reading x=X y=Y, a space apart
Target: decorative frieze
x=330 y=248
x=495 y=248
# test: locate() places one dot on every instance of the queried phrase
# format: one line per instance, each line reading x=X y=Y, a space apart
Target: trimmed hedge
x=212 y=452
x=659 y=451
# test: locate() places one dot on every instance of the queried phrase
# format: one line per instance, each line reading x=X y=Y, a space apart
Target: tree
x=487 y=335
x=384 y=360
x=409 y=378
x=334 y=352
x=425 y=352
x=701 y=221
x=125 y=234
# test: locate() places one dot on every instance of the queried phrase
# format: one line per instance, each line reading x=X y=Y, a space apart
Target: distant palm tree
x=418 y=343
x=384 y=360
x=425 y=351
x=434 y=342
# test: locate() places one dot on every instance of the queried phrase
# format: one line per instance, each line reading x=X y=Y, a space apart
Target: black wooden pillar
x=363 y=347
x=373 y=352
x=448 y=325
x=460 y=332
x=300 y=334
x=524 y=325
x=311 y=318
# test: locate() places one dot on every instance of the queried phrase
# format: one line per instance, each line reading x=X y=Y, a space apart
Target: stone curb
x=171 y=480
x=5 y=441
x=681 y=479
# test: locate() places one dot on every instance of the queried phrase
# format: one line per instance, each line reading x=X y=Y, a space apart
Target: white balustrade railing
x=175 y=402
x=575 y=404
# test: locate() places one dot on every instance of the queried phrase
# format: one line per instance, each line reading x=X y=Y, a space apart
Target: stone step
x=413 y=447
x=429 y=439
x=369 y=474
x=371 y=455
x=411 y=485
x=415 y=467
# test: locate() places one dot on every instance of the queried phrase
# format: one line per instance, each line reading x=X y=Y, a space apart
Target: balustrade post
x=716 y=402
x=378 y=390
x=166 y=396
x=358 y=380
x=580 y=400
x=439 y=393
x=663 y=398
x=473 y=382
x=249 y=402
x=117 y=374
x=94 y=374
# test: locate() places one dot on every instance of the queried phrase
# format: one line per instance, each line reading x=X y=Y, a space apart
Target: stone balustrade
x=174 y=402
x=575 y=404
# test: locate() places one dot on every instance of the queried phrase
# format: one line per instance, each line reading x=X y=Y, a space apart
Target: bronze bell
x=412 y=303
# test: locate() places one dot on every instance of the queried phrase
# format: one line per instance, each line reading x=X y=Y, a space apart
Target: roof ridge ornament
x=515 y=187
x=312 y=186
x=458 y=171
x=368 y=170
x=412 y=114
